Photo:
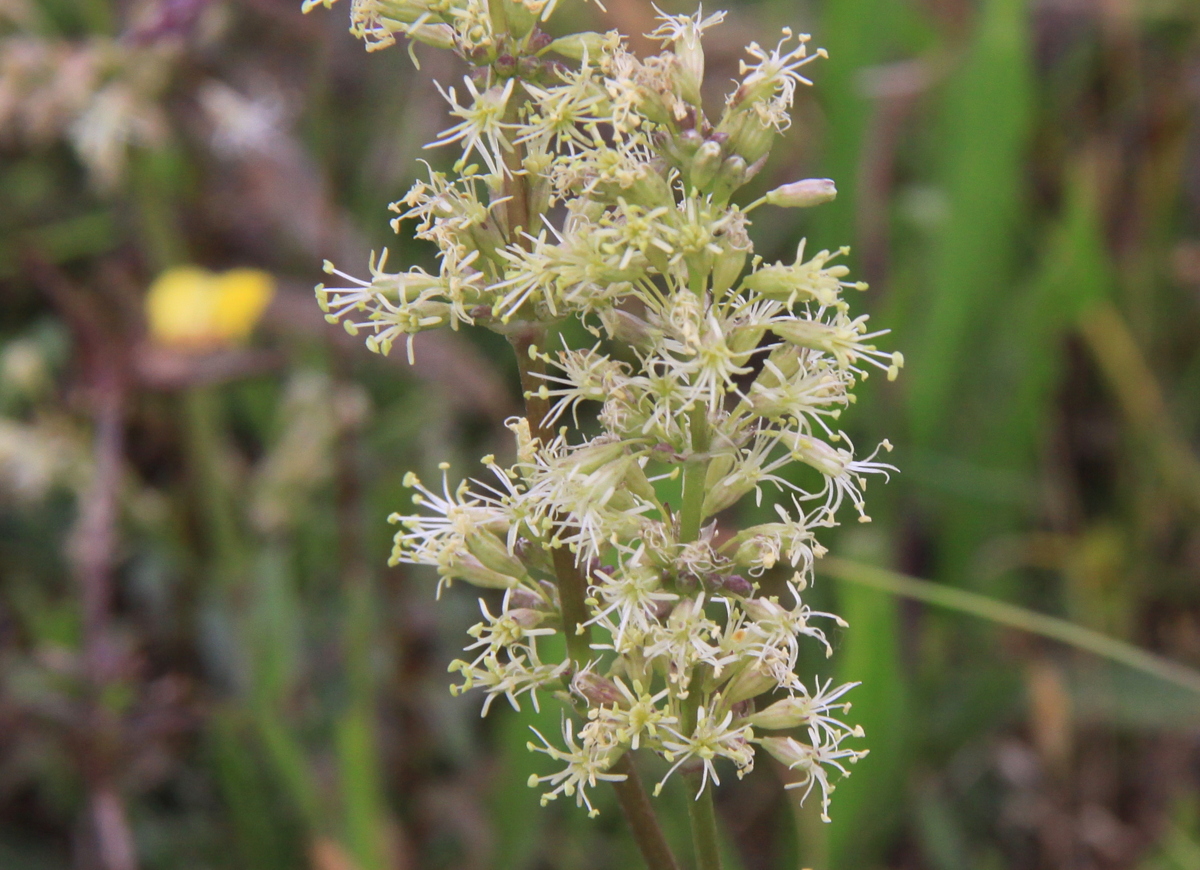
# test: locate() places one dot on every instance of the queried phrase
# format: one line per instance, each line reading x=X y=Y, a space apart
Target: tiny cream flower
x=482 y=127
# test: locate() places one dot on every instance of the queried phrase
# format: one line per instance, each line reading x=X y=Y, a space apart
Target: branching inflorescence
x=592 y=185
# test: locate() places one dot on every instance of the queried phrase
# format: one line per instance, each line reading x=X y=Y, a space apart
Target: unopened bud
x=526 y=617
x=467 y=567
x=505 y=65
x=491 y=551
x=733 y=171
x=803 y=194
x=750 y=682
x=788 y=713
x=628 y=328
x=538 y=40
x=597 y=689
x=525 y=599
x=577 y=45
x=705 y=164
x=688 y=141
x=734 y=584
x=437 y=35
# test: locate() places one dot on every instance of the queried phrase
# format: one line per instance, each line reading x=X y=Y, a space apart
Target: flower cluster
x=592 y=184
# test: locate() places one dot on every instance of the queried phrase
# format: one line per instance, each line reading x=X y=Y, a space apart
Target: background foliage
x=204 y=662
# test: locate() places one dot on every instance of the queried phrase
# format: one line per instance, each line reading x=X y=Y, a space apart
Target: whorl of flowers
x=592 y=184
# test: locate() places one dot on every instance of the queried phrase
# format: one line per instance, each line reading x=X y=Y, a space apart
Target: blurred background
x=204 y=662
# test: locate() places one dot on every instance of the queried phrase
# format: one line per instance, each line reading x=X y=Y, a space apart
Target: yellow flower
x=194 y=309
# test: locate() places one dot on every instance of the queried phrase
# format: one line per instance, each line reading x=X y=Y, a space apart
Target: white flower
x=811 y=759
x=586 y=765
x=710 y=739
x=512 y=628
x=776 y=72
x=521 y=674
x=633 y=592
x=482 y=127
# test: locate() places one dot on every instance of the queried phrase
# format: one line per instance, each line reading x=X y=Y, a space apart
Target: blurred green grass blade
x=1017 y=374
x=362 y=799
x=1137 y=392
x=942 y=838
x=1073 y=274
x=1123 y=698
x=357 y=741
x=258 y=840
x=984 y=128
x=865 y=812
x=274 y=632
x=1013 y=616
x=858 y=34
x=84 y=235
x=274 y=629
x=291 y=765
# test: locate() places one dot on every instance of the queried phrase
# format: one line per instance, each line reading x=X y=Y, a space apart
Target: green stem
x=572 y=586
x=572 y=592
x=704 y=825
x=635 y=804
x=516 y=186
x=695 y=472
x=700 y=811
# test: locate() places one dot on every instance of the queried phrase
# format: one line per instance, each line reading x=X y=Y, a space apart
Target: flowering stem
x=572 y=587
x=704 y=826
x=701 y=813
x=516 y=188
x=635 y=804
x=572 y=590
x=695 y=471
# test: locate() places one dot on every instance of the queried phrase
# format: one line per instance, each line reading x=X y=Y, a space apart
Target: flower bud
x=705 y=164
x=803 y=194
x=689 y=73
x=748 y=135
x=577 y=45
x=788 y=751
x=538 y=41
x=763 y=609
x=812 y=334
x=639 y=484
x=733 y=172
x=597 y=689
x=826 y=459
x=525 y=599
x=604 y=455
x=491 y=551
x=529 y=67
x=505 y=66
x=437 y=35
x=732 y=584
x=525 y=617
x=727 y=269
x=469 y=568
x=750 y=682
x=628 y=328
x=688 y=141
x=727 y=491
x=788 y=713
